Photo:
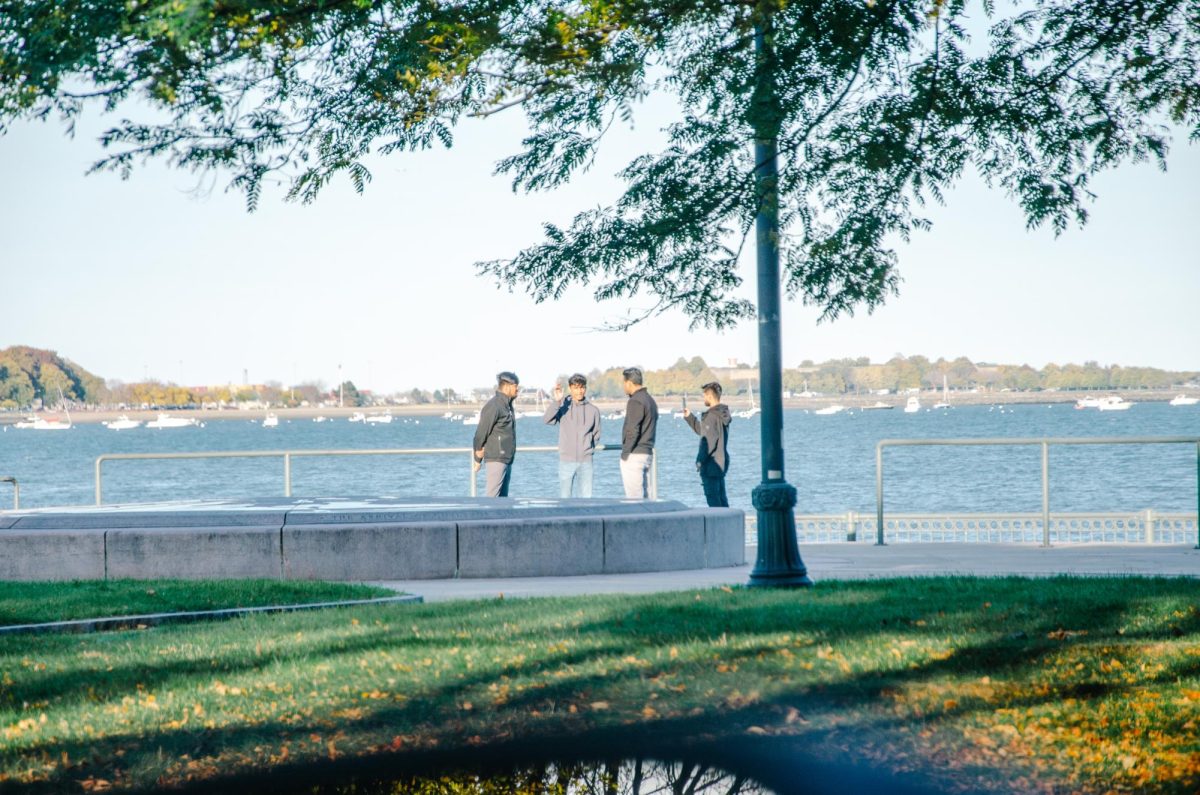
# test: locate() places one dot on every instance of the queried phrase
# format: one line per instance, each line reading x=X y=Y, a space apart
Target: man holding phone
x=712 y=459
x=578 y=424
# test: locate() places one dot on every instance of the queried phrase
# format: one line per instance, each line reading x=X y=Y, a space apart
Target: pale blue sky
x=145 y=278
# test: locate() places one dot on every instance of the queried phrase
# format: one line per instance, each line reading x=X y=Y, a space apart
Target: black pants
x=714 y=491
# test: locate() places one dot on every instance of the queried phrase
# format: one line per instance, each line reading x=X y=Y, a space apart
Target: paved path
x=847 y=562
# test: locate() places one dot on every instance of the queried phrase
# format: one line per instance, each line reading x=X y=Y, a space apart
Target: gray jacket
x=497 y=431
x=578 y=428
x=712 y=459
x=641 y=423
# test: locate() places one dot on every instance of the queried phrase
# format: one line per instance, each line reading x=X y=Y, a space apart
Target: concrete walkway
x=846 y=562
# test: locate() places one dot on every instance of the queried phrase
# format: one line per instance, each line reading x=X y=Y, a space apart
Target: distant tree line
x=840 y=376
x=31 y=377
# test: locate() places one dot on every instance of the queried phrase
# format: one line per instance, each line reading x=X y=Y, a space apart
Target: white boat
x=472 y=420
x=122 y=423
x=834 y=409
x=878 y=405
x=1184 y=400
x=1113 y=403
x=320 y=418
x=52 y=425
x=271 y=421
x=754 y=410
x=28 y=422
x=528 y=414
x=385 y=418
x=944 y=403
x=912 y=405
x=1088 y=403
x=358 y=416
x=165 y=420
x=616 y=415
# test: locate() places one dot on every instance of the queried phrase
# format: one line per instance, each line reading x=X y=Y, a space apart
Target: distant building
x=734 y=378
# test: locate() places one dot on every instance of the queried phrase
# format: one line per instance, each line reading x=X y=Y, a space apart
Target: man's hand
x=478 y=461
x=687 y=412
x=558 y=391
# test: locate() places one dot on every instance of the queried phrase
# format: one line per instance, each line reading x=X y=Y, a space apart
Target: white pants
x=635 y=472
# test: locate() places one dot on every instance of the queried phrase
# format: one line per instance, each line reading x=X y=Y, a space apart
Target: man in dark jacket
x=496 y=436
x=578 y=424
x=712 y=460
x=637 y=437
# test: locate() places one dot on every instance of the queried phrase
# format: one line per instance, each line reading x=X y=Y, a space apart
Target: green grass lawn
x=1046 y=685
x=37 y=602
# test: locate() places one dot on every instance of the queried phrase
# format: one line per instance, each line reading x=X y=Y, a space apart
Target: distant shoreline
x=669 y=402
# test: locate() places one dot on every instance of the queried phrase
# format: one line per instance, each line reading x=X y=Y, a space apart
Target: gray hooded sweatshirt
x=578 y=428
x=712 y=459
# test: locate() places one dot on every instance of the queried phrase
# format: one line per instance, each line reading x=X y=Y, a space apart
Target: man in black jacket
x=496 y=436
x=637 y=436
x=712 y=460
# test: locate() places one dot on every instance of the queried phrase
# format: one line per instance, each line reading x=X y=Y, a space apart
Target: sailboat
x=754 y=410
x=945 y=401
x=55 y=425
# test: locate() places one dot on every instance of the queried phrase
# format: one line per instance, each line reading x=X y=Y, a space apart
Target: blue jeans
x=575 y=478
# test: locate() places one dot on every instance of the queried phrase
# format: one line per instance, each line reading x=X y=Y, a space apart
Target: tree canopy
x=33 y=374
x=877 y=106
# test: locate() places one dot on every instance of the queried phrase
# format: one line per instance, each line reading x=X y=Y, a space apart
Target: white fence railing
x=1140 y=527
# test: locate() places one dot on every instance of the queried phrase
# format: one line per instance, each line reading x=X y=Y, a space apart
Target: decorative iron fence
x=1141 y=527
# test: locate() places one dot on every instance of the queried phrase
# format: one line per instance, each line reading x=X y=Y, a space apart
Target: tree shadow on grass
x=633 y=624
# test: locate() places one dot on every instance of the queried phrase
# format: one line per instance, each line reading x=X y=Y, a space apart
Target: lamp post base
x=778 y=564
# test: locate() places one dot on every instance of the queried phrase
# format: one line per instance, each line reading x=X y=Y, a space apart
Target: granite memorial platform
x=375 y=538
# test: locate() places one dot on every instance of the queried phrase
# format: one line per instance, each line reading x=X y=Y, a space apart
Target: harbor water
x=830 y=460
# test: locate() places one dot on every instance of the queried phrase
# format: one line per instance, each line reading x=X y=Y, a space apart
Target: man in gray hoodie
x=578 y=424
x=496 y=436
x=712 y=460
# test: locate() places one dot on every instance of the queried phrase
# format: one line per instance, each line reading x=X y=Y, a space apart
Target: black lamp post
x=778 y=564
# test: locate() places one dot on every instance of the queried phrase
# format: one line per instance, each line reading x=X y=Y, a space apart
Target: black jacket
x=497 y=431
x=641 y=422
x=713 y=426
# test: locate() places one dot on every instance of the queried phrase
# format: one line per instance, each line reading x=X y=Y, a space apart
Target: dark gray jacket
x=497 y=431
x=641 y=422
x=578 y=428
x=713 y=426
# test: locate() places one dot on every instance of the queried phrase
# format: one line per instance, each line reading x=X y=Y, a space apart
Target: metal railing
x=1045 y=445
x=1147 y=526
x=16 y=491
x=288 y=455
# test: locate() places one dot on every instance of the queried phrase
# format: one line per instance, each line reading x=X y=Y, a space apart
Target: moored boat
x=1113 y=403
x=165 y=420
x=122 y=423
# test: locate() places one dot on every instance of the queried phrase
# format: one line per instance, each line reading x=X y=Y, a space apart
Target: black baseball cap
x=507 y=377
